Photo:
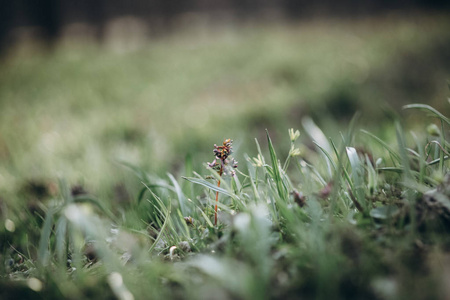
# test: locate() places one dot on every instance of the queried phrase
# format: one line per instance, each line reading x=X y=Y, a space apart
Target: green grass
x=376 y=234
x=103 y=160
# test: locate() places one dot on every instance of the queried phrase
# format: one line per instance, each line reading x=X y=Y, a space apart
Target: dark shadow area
x=48 y=20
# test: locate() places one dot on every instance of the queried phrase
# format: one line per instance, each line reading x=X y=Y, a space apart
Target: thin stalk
x=217 y=196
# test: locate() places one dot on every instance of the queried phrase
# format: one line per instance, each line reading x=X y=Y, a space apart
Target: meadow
x=341 y=190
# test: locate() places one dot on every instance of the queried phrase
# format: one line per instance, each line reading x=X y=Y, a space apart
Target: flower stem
x=217 y=197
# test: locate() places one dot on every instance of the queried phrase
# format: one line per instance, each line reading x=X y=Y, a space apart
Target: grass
x=380 y=232
x=342 y=208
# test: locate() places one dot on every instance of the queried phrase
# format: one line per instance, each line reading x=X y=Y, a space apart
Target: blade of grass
x=429 y=109
x=340 y=164
x=276 y=169
x=184 y=224
x=325 y=152
x=407 y=175
x=142 y=175
x=318 y=137
x=422 y=162
x=181 y=197
x=44 y=241
x=357 y=176
x=155 y=185
x=188 y=171
x=443 y=120
x=258 y=147
x=372 y=180
x=253 y=180
x=208 y=185
x=210 y=224
x=315 y=133
x=383 y=144
x=61 y=230
x=337 y=178
x=436 y=161
x=163 y=227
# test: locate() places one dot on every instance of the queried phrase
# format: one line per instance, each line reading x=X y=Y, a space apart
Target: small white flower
x=257 y=161
x=293 y=135
x=294 y=151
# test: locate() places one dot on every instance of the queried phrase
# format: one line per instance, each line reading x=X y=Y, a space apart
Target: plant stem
x=217 y=196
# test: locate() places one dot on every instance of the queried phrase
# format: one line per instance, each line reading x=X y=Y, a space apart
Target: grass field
x=105 y=191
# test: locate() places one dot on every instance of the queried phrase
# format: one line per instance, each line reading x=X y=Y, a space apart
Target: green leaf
x=208 y=185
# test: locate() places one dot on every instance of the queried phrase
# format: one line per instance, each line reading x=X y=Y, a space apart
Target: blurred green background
x=76 y=109
x=93 y=91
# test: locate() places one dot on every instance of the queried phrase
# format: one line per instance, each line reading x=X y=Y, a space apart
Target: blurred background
x=85 y=84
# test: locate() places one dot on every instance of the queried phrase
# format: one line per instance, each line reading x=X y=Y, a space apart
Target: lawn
x=105 y=189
